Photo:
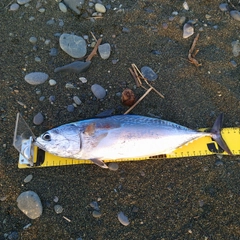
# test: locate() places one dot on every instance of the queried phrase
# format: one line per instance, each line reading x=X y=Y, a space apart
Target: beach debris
x=148 y=73
x=30 y=204
x=139 y=80
x=191 y=55
x=73 y=45
x=104 y=50
x=123 y=219
x=188 y=30
x=98 y=91
x=36 y=78
x=74 y=67
x=128 y=97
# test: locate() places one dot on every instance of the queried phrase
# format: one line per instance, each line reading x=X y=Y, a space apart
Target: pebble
x=42 y=10
x=224 y=7
x=14 y=7
x=148 y=73
x=74 y=5
x=22 y=2
x=62 y=7
x=58 y=209
x=188 y=30
x=219 y=163
x=94 y=205
x=75 y=67
x=70 y=108
x=36 y=78
x=73 y=45
x=164 y=25
x=98 y=91
x=100 y=8
x=77 y=100
x=235 y=48
x=123 y=219
x=235 y=15
x=96 y=214
x=30 y=204
x=41 y=98
x=104 y=50
x=185 y=6
x=37 y=59
x=38 y=119
x=113 y=166
x=33 y=40
x=52 y=82
x=12 y=236
x=83 y=79
x=52 y=99
x=53 y=52
x=28 y=178
x=233 y=63
x=69 y=85
x=55 y=199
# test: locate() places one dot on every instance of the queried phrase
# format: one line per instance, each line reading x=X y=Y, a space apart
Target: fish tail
x=216 y=134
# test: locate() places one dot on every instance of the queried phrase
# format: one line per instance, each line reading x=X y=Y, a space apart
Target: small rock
x=185 y=6
x=38 y=119
x=77 y=100
x=224 y=7
x=73 y=45
x=69 y=85
x=233 y=63
x=149 y=73
x=104 y=50
x=96 y=214
x=28 y=178
x=100 y=8
x=30 y=204
x=75 y=5
x=70 y=108
x=55 y=199
x=53 y=52
x=113 y=166
x=123 y=219
x=58 y=209
x=33 y=40
x=36 y=78
x=14 y=7
x=235 y=48
x=52 y=82
x=22 y=2
x=37 y=59
x=188 y=30
x=83 y=79
x=235 y=15
x=98 y=91
x=94 y=205
x=12 y=236
x=62 y=7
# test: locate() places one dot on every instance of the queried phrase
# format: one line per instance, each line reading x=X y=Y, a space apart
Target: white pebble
x=41 y=10
x=77 y=100
x=52 y=82
x=98 y=91
x=104 y=50
x=14 y=7
x=100 y=8
x=62 y=7
x=188 y=30
x=83 y=79
x=185 y=6
x=123 y=219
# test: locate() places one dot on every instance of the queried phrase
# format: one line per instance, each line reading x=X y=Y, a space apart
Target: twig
x=139 y=100
x=135 y=77
x=94 y=51
x=191 y=55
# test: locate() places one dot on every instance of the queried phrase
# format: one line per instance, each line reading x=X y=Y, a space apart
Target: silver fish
x=121 y=137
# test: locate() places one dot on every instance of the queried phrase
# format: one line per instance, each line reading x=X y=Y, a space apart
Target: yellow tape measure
x=200 y=147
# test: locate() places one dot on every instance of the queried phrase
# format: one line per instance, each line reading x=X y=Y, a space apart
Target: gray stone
x=96 y=214
x=14 y=7
x=73 y=45
x=235 y=15
x=22 y=2
x=98 y=91
x=30 y=204
x=104 y=50
x=148 y=73
x=75 y=5
x=77 y=100
x=38 y=119
x=36 y=78
x=123 y=219
x=62 y=7
x=58 y=209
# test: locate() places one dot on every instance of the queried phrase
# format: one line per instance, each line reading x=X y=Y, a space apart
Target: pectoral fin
x=99 y=162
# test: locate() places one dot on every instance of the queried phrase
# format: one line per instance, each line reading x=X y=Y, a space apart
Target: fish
x=122 y=137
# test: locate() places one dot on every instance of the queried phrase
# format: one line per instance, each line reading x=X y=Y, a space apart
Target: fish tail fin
x=216 y=134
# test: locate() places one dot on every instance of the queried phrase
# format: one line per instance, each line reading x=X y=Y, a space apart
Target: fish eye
x=46 y=136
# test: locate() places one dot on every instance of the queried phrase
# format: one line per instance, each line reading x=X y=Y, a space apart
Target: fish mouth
x=38 y=144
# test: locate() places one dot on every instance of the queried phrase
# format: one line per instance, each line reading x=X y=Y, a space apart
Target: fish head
x=63 y=141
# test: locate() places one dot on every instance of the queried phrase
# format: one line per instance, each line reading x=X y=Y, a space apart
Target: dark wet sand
x=190 y=198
